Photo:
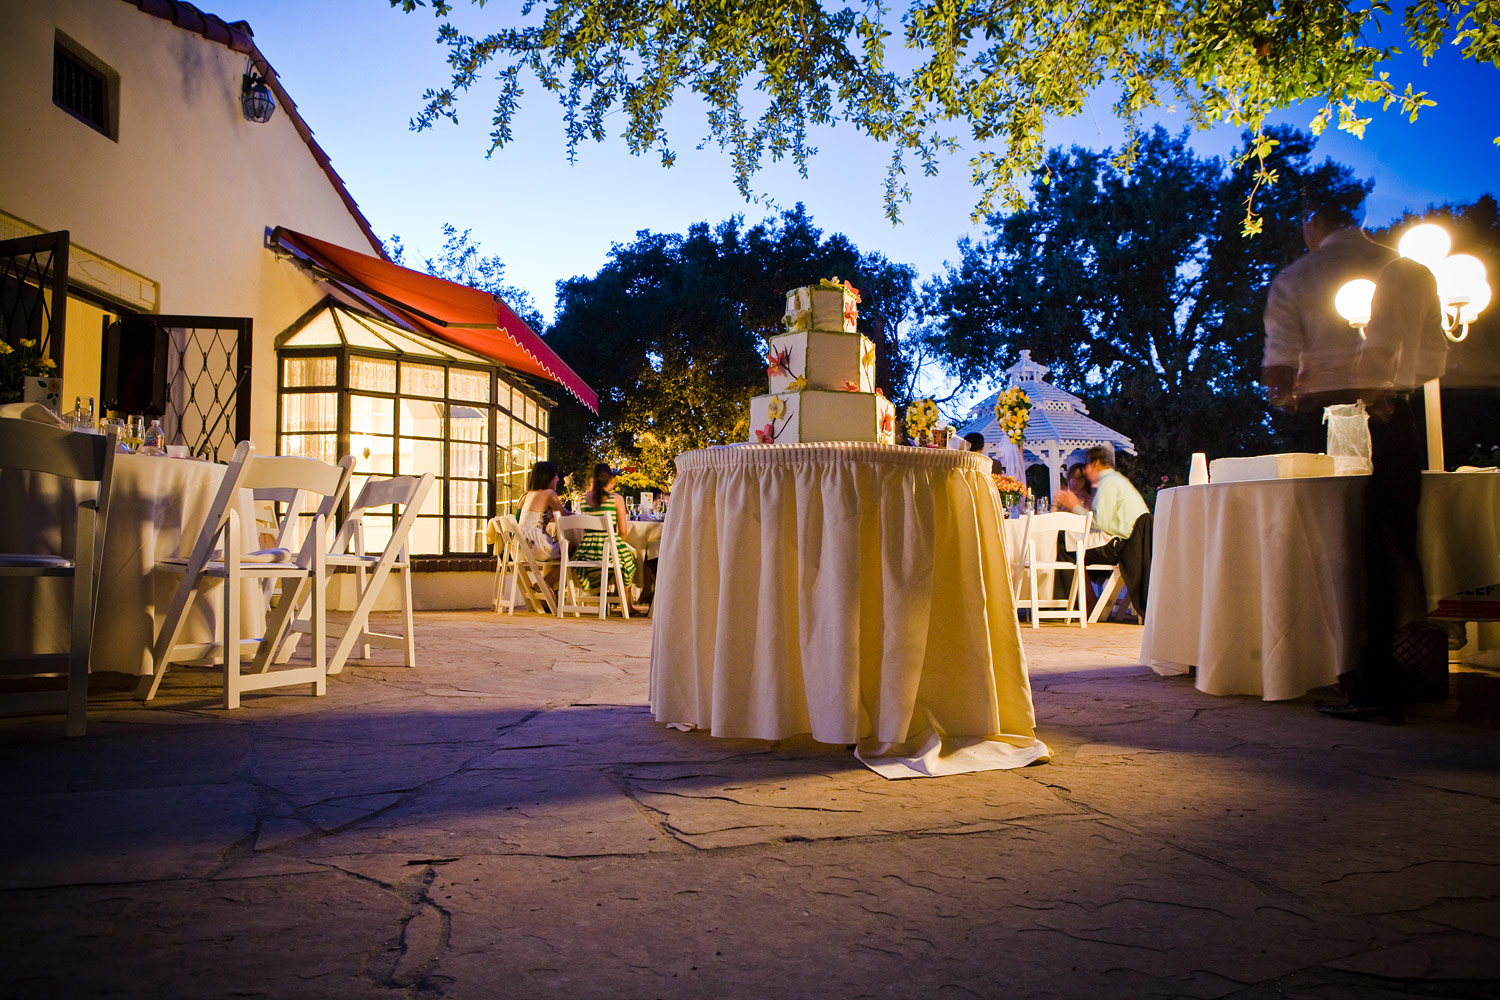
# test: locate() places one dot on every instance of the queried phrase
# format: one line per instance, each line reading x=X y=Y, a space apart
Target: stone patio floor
x=506 y=820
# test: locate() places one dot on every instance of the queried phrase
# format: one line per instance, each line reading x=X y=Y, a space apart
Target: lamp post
x=1464 y=293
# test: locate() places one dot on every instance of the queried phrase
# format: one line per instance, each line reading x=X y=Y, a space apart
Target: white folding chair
x=371 y=569
x=279 y=511
x=523 y=569
x=507 y=588
x=218 y=557
x=572 y=596
x=1042 y=532
x=1018 y=558
x=1112 y=595
x=32 y=446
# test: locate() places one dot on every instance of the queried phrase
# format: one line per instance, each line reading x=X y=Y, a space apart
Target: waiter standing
x=1313 y=359
x=1404 y=349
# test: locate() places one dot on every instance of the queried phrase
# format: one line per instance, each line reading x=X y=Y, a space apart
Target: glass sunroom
x=350 y=383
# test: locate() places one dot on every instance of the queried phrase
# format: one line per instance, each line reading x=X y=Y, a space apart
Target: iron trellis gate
x=208 y=383
x=34 y=291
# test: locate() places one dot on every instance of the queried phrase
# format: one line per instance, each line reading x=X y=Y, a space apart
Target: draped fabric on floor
x=856 y=592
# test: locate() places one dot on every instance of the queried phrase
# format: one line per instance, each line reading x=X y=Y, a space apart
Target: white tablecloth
x=856 y=592
x=156 y=509
x=1251 y=582
x=644 y=536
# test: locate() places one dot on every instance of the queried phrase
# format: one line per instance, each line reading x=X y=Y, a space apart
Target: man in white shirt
x=1310 y=352
x=1120 y=512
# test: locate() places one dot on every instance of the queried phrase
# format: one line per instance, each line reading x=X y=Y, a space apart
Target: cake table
x=856 y=592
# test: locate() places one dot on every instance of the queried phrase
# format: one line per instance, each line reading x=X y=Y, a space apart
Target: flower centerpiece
x=1011 y=490
x=19 y=363
x=1013 y=413
x=921 y=417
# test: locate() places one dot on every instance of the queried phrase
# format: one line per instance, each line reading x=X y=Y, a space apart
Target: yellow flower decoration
x=797 y=384
x=776 y=408
x=27 y=343
x=921 y=416
x=6 y=348
x=1013 y=413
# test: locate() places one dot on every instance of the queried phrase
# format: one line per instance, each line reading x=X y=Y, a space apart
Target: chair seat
x=25 y=560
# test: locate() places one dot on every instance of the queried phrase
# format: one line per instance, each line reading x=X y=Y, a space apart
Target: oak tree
x=936 y=76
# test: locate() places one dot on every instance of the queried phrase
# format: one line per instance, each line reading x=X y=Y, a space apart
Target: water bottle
x=155 y=440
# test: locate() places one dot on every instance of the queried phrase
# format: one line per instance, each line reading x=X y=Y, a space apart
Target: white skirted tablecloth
x=156 y=509
x=1251 y=583
x=856 y=592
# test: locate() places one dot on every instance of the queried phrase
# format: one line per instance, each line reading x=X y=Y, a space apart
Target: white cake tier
x=842 y=362
x=828 y=309
x=1293 y=465
x=819 y=415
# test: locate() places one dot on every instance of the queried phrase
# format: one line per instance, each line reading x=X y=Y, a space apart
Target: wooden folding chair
x=283 y=512
x=371 y=569
x=218 y=556
x=1042 y=532
x=572 y=596
x=32 y=446
x=1111 y=596
x=523 y=569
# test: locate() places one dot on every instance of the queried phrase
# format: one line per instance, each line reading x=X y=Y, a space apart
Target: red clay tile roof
x=238 y=37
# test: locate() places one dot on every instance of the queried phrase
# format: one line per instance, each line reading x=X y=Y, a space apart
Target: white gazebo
x=1058 y=432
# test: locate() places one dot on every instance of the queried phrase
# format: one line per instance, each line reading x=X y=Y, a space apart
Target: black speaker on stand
x=135 y=367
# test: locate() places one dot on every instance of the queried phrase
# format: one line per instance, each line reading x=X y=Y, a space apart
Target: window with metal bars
x=82 y=90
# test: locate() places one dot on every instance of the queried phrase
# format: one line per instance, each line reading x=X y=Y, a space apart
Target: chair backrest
x=293 y=481
x=1044 y=528
x=572 y=523
x=406 y=492
x=32 y=446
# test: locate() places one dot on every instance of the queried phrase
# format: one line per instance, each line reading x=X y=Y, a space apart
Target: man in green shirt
x=1120 y=513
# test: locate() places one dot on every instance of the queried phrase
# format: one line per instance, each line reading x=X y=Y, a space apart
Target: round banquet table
x=856 y=592
x=156 y=509
x=1250 y=582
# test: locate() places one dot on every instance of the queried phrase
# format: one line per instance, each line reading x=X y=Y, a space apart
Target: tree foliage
x=671 y=333
x=1140 y=292
x=983 y=76
x=462 y=261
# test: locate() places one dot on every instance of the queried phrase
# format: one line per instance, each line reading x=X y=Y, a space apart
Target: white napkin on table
x=31 y=411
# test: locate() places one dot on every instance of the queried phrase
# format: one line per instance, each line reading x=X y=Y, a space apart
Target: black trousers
x=1393 y=570
x=1132 y=555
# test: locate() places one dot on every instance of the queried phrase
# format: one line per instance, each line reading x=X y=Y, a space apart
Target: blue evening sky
x=357 y=68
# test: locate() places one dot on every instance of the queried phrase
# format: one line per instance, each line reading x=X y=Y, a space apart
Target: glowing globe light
x=1467 y=312
x=1458 y=278
x=1425 y=244
x=1352 y=301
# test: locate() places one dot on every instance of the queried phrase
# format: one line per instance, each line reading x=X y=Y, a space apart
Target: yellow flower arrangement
x=776 y=408
x=921 y=417
x=1013 y=413
x=16 y=366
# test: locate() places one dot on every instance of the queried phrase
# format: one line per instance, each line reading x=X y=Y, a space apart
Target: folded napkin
x=31 y=411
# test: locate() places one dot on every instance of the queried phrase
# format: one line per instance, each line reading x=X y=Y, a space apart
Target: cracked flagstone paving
x=506 y=819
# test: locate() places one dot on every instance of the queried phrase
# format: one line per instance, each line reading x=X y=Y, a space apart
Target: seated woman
x=600 y=499
x=1081 y=490
x=538 y=506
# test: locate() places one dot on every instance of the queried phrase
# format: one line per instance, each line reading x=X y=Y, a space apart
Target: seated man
x=1120 y=513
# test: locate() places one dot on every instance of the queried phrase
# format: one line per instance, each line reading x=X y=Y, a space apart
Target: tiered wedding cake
x=822 y=375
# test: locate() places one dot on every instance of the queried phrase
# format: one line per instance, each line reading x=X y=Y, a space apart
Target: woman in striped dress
x=601 y=500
